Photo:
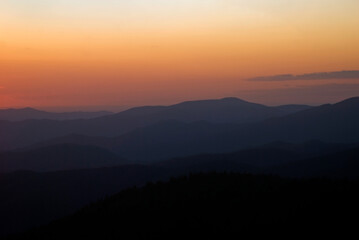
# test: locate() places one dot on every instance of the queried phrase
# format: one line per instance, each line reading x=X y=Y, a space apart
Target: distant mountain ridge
x=28 y=113
x=225 y=110
x=222 y=111
x=337 y=123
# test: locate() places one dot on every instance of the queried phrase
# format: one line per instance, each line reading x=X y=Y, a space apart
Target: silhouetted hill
x=310 y=159
x=31 y=113
x=225 y=111
x=58 y=157
x=54 y=194
x=29 y=199
x=343 y=164
x=211 y=204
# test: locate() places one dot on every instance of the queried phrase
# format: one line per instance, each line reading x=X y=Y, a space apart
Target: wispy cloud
x=312 y=95
x=310 y=76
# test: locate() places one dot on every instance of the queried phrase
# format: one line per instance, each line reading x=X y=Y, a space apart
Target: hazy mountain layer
x=229 y=110
x=31 y=113
x=58 y=157
x=337 y=123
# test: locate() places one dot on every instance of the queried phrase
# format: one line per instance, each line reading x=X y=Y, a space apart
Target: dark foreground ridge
x=53 y=195
x=214 y=203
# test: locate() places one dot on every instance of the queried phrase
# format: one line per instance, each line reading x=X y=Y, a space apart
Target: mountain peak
x=233 y=99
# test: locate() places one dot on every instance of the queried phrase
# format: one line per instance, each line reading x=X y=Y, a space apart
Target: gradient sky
x=71 y=53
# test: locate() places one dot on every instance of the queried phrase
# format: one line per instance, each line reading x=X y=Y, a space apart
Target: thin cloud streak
x=327 y=93
x=310 y=76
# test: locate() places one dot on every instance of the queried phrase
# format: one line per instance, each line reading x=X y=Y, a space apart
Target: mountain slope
x=213 y=205
x=331 y=123
x=54 y=194
x=29 y=199
x=310 y=159
x=343 y=164
x=58 y=157
x=31 y=113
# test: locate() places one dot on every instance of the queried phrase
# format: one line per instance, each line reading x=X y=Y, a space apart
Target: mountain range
x=66 y=164
x=336 y=123
x=138 y=136
x=223 y=111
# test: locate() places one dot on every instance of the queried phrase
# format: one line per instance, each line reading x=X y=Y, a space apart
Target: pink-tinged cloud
x=324 y=93
x=310 y=76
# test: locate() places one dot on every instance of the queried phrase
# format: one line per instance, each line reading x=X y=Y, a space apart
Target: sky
x=91 y=53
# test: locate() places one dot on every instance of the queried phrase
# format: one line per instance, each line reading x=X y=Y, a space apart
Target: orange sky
x=88 y=53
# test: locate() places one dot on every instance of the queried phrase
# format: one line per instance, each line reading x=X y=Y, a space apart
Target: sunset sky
x=91 y=53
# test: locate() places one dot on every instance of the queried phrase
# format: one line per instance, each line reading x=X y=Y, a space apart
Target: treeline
x=213 y=203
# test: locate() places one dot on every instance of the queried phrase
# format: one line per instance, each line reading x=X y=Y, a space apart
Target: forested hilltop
x=213 y=203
